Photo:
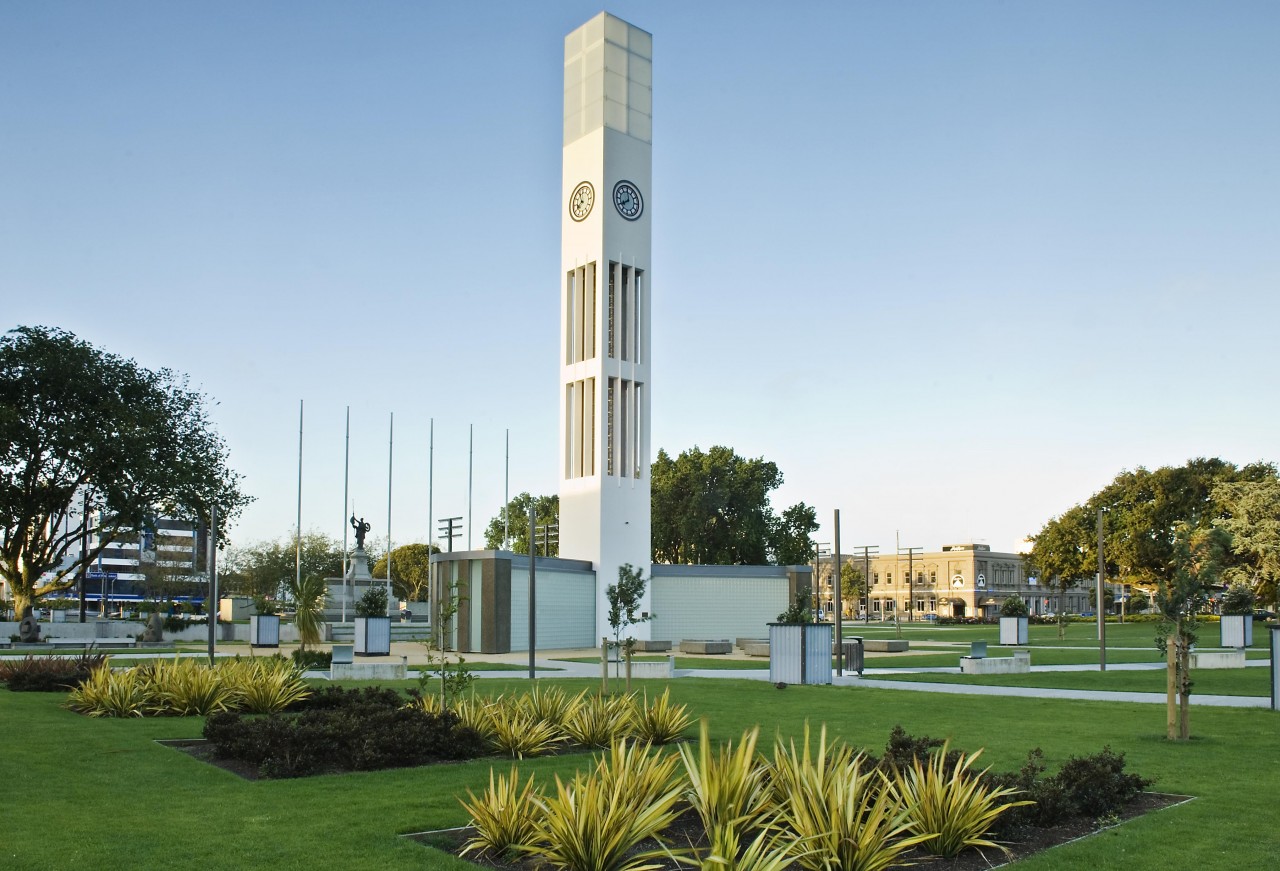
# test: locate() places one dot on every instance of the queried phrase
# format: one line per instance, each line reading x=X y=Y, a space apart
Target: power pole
x=867 y=551
x=911 y=580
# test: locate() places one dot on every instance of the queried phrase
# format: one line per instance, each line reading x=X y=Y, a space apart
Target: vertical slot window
x=589 y=312
x=624 y=317
x=624 y=429
x=610 y=451
x=580 y=314
x=637 y=445
x=612 y=307
x=570 y=297
x=639 y=319
x=588 y=427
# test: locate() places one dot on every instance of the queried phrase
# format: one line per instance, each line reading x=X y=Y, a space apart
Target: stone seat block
x=706 y=647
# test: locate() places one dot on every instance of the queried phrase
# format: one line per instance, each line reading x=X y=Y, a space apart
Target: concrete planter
x=373 y=636
x=264 y=630
x=1237 y=630
x=800 y=653
x=1013 y=630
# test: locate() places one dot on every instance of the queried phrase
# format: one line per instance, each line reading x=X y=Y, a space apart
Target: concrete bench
x=706 y=647
x=886 y=645
x=743 y=642
x=1215 y=659
x=343 y=654
x=756 y=648
x=1019 y=663
x=369 y=670
x=652 y=646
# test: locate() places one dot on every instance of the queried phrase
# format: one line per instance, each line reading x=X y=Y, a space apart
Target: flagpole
x=471 y=442
x=298 y=541
x=346 y=495
x=391 y=431
x=506 y=495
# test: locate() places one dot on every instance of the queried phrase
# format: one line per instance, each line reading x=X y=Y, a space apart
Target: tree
x=89 y=439
x=1162 y=529
x=1252 y=518
x=546 y=513
x=1061 y=555
x=791 y=543
x=1198 y=558
x=264 y=568
x=624 y=601
x=713 y=508
x=853 y=586
x=308 y=603
x=410 y=570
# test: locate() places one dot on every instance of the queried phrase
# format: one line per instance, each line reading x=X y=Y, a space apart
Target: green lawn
x=1214 y=682
x=687 y=661
x=90 y=794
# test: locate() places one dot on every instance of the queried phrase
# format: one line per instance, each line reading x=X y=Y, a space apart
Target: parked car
x=1260 y=614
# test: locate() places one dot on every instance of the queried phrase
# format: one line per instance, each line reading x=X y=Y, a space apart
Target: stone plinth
x=1019 y=663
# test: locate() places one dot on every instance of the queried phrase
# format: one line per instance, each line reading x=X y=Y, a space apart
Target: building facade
x=959 y=580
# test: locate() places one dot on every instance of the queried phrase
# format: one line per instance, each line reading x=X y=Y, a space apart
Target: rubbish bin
x=852 y=649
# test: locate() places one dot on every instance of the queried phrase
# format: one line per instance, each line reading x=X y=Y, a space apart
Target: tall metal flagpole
x=506 y=495
x=298 y=541
x=391 y=432
x=210 y=564
x=533 y=595
x=431 y=463
x=346 y=494
x=835 y=582
x=471 y=444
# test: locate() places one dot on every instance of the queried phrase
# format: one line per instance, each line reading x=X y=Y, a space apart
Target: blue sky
x=951 y=265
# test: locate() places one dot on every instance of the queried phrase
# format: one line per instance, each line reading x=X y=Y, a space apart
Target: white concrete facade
x=605 y=384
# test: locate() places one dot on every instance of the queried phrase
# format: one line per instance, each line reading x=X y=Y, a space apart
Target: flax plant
x=594 y=824
x=597 y=721
x=949 y=811
x=659 y=721
x=514 y=732
x=729 y=787
x=186 y=688
x=503 y=816
x=549 y=704
x=112 y=694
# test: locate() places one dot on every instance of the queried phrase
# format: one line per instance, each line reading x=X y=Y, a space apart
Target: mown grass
x=89 y=794
x=683 y=662
x=1214 y=682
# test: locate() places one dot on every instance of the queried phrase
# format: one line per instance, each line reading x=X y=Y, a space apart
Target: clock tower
x=605 y=303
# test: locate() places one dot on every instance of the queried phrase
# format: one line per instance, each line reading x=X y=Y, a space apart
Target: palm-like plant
x=309 y=595
x=949 y=811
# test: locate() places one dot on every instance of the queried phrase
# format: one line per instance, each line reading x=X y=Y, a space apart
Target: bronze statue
x=361 y=527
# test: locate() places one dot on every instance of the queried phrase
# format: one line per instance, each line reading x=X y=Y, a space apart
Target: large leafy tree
x=264 y=569
x=713 y=508
x=89 y=439
x=546 y=513
x=410 y=570
x=1162 y=529
x=1252 y=519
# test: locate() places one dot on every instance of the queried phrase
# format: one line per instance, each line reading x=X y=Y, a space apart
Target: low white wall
x=698 y=602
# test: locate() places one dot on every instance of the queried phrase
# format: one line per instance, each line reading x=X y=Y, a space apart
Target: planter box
x=373 y=636
x=264 y=630
x=1237 y=630
x=800 y=653
x=1013 y=630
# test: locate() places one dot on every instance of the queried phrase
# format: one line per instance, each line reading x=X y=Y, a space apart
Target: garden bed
x=1022 y=843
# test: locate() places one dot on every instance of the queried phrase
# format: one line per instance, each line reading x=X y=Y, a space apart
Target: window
x=875 y=578
x=875 y=606
x=933 y=576
x=920 y=577
x=919 y=604
x=610 y=449
x=888 y=604
x=888 y=578
x=580 y=416
x=580 y=314
x=636 y=417
x=933 y=604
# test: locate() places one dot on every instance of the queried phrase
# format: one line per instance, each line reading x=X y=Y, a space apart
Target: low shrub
x=333 y=698
x=903 y=749
x=503 y=816
x=1098 y=785
x=659 y=721
x=341 y=738
x=49 y=674
x=312 y=659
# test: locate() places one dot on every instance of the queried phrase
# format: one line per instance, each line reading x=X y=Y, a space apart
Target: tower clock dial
x=627 y=200
x=581 y=201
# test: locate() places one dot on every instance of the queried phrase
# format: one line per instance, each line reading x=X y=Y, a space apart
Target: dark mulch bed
x=1021 y=844
x=199 y=748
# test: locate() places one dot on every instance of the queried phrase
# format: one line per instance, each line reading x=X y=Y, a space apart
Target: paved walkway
x=554 y=663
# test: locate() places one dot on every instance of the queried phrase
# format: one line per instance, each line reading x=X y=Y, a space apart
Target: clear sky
x=951 y=265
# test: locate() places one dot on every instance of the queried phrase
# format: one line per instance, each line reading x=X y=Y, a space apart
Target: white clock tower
x=604 y=302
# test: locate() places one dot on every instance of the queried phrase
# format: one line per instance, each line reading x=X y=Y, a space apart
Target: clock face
x=581 y=201
x=627 y=200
